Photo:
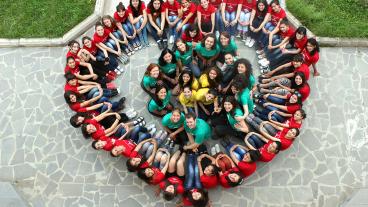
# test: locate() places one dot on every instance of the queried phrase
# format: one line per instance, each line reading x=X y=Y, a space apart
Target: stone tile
x=69 y=189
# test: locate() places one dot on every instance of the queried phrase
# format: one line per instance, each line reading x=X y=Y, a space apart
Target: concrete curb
x=329 y=41
x=62 y=41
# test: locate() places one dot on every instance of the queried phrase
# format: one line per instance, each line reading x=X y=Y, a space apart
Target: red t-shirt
x=300 y=44
x=292 y=123
x=174 y=181
x=288 y=33
x=215 y=3
x=157 y=177
x=72 y=70
x=140 y=12
x=276 y=17
x=232 y=5
x=92 y=49
x=69 y=87
x=156 y=13
x=265 y=155
x=70 y=54
x=135 y=154
x=186 y=201
x=304 y=69
x=310 y=59
x=128 y=145
x=206 y=13
x=102 y=38
x=77 y=107
x=187 y=38
x=209 y=181
x=100 y=131
x=249 y=6
x=292 y=108
x=119 y=18
x=110 y=143
x=223 y=180
x=111 y=29
x=247 y=168
x=173 y=9
x=286 y=143
x=304 y=91
x=191 y=9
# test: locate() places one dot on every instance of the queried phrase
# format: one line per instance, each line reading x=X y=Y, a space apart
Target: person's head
x=187 y=91
x=211 y=94
x=312 y=46
x=204 y=4
x=209 y=42
x=198 y=197
x=161 y=92
x=190 y=119
x=77 y=119
x=133 y=164
x=99 y=28
x=135 y=3
x=167 y=56
x=284 y=25
x=297 y=60
x=229 y=58
x=292 y=133
x=213 y=73
x=181 y=46
x=71 y=97
x=117 y=150
x=120 y=9
x=73 y=46
x=171 y=2
x=71 y=79
x=155 y=5
x=242 y=81
x=169 y=192
x=295 y=98
x=234 y=179
x=299 y=79
x=186 y=78
x=243 y=65
x=251 y=156
x=275 y=6
x=211 y=170
x=230 y=104
x=99 y=144
x=274 y=147
x=299 y=115
x=262 y=7
x=300 y=33
x=70 y=61
x=88 y=129
x=108 y=21
x=153 y=71
x=87 y=41
x=192 y=30
x=175 y=115
x=185 y=3
x=224 y=39
x=146 y=174
x=236 y=87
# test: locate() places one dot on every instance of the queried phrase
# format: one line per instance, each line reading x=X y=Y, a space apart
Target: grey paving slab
x=52 y=165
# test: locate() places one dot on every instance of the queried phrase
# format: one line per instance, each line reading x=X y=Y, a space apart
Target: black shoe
x=164 y=44
x=122 y=100
x=160 y=45
x=121 y=104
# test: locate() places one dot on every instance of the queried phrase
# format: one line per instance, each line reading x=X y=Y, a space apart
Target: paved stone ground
x=52 y=165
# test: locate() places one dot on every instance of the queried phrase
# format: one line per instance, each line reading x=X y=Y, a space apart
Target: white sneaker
x=258 y=52
x=158 y=134
x=129 y=110
x=217 y=147
x=247 y=41
x=121 y=69
x=171 y=39
x=132 y=115
x=117 y=72
x=217 y=34
x=150 y=126
x=264 y=62
x=261 y=56
x=251 y=43
x=152 y=131
x=118 y=90
x=213 y=151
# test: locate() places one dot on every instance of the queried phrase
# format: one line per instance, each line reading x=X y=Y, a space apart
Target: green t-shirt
x=169 y=68
x=169 y=124
x=201 y=132
x=231 y=119
x=207 y=53
x=185 y=58
x=252 y=81
x=230 y=48
x=149 y=82
x=244 y=99
x=152 y=105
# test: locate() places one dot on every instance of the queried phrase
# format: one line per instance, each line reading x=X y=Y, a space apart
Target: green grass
x=332 y=18
x=41 y=18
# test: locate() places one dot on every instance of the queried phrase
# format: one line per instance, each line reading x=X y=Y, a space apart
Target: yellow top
x=188 y=102
x=201 y=96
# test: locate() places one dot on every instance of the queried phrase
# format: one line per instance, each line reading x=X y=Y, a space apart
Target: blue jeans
x=219 y=24
x=172 y=30
x=255 y=141
x=244 y=17
x=128 y=28
x=139 y=133
x=256 y=23
x=143 y=34
x=195 y=69
x=113 y=63
x=104 y=107
x=192 y=179
x=263 y=113
x=230 y=17
x=238 y=152
x=275 y=41
x=154 y=33
x=264 y=37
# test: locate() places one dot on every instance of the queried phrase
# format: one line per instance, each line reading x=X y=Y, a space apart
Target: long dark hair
x=209 y=36
x=74 y=118
x=120 y=7
x=299 y=99
x=67 y=97
x=142 y=175
x=265 y=10
x=247 y=65
x=301 y=30
x=112 y=20
x=242 y=80
x=169 y=196
x=197 y=203
x=186 y=46
x=304 y=81
x=233 y=102
x=161 y=60
x=132 y=168
x=134 y=10
x=313 y=42
x=181 y=81
x=152 y=8
x=155 y=96
x=192 y=27
x=213 y=83
x=234 y=184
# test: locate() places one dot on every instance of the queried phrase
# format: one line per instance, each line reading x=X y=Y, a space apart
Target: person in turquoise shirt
x=173 y=124
x=197 y=130
x=243 y=66
x=207 y=51
x=226 y=45
x=160 y=104
x=151 y=78
x=184 y=55
x=169 y=67
x=242 y=95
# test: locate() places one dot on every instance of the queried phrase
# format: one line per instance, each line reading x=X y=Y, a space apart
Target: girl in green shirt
x=169 y=67
x=152 y=78
x=160 y=104
x=184 y=55
x=226 y=45
x=207 y=52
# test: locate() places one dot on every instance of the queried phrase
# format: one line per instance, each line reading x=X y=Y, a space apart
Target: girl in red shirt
x=208 y=171
x=258 y=19
x=173 y=15
x=229 y=175
x=138 y=18
x=156 y=17
x=192 y=34
x=73 y=67
x=267 y=148
x=285 y=136
x=206 y=17
x=194 y=197
x=230 y=12
x=244 y=158
x=189 y=10
x=311 y=54
x=247 y=7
